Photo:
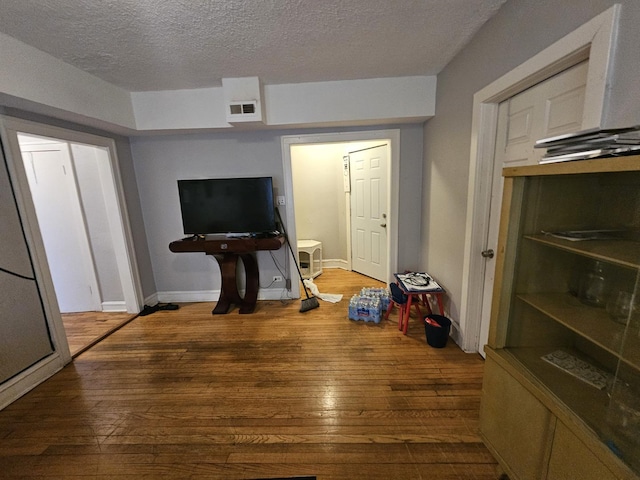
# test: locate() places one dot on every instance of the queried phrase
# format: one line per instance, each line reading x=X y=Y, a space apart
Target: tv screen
x=227 y=205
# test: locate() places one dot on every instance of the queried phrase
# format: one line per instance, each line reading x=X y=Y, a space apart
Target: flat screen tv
x=227 y=206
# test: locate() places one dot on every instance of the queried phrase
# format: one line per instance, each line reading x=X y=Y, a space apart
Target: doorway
x=549 y=108
x=310 y=156
x=593 y=41
x=80 y=171
x=340 y=200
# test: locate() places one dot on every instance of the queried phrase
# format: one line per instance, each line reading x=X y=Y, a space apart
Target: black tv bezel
x=267 y=202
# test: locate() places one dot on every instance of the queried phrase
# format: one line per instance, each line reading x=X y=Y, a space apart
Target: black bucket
x=437 y=329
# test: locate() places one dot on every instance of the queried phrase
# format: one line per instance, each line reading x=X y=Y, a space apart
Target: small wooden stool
x=417 y=297
x=417 y=293
x=400 y=300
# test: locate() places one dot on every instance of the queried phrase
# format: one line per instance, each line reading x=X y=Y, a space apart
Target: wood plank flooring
x=184 y=394
x=85 y=329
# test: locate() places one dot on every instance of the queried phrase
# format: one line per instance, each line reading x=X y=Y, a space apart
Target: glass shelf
x=591 y=323
x=625 y=253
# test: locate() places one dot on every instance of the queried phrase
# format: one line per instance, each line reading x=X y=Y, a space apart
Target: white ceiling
x=144 y=45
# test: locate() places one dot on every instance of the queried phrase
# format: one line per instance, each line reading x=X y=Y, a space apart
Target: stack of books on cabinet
x=592 y=143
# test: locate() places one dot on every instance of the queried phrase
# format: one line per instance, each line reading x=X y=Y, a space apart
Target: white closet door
x=55 y=196
x=550 y=108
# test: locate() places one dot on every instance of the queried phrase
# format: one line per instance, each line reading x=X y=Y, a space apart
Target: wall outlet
x=277 y=278
x=280 y=200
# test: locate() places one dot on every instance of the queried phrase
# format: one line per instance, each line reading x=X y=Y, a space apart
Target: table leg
x=407 y=314
x=229 y=294
x=440 y=305
x=229 y=290
x=252 y=280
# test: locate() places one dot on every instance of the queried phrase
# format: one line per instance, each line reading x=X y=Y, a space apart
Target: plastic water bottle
x=353 y=307
x=364 y=308
x=375 y=310
x=377 y=292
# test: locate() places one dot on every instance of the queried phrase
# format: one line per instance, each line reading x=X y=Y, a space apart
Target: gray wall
x=410 y=221
x=161 y=160
x=520 y=29
x=134 y=211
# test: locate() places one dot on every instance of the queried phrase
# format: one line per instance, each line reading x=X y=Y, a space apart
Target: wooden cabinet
x=516 y=423
x=562 y=378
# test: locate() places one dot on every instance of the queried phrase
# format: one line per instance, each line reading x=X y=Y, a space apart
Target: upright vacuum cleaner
x=310 y=302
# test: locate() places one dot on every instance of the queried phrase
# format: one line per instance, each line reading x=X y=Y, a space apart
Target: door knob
x=383 y=225
x=487 y=253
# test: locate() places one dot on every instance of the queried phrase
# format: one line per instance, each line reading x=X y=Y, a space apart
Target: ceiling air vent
x=243 y=98
x=244 y=108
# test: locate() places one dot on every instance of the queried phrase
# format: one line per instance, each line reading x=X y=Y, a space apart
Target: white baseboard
x=151 y=299
x=119 y=306
x=456 y=336
x=188 y=297
x=22 y=383
x=213 y=295
x=335 y=263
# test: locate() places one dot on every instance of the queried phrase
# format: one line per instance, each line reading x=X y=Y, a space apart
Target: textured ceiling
x=179 y=44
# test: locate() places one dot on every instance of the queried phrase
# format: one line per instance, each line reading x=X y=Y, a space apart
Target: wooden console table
x=227 y=251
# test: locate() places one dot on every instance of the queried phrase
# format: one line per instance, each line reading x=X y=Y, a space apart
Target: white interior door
x=494 y=224
x=54 y=191
x=368 y=212
x=552 y=107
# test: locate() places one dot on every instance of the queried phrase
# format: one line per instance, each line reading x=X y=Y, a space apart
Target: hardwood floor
x=85 y=329
x=184 y=394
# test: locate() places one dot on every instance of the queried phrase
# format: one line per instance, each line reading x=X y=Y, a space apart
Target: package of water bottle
x=367 y=309
x=377 y=292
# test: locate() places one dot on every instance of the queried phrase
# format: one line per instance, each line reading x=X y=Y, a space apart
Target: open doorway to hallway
x=98 y=214
x=340 y=200
x=71 y=207
x=322 y=186
x=66 y=181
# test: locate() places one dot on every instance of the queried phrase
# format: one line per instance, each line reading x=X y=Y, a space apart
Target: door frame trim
x=391 y=135
x=595 y=41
